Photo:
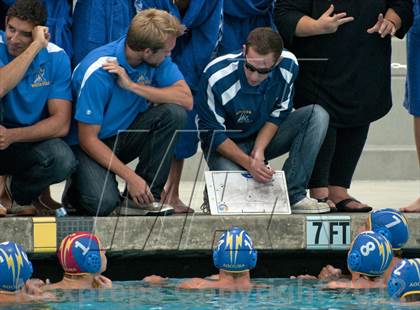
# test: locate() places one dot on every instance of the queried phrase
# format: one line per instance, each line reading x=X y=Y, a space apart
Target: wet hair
x=235 y=275
x=265 y=40
x=150 y=29
x=370 y=278
x=397 y=253
x=33 y=11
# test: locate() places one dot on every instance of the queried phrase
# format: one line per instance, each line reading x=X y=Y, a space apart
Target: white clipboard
x=237 y=193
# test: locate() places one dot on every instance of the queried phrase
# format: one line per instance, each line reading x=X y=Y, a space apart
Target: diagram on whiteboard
x=236 y=192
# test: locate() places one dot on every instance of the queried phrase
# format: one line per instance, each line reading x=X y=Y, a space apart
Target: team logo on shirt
x=40 y=79
x=143 y=79
x=243 y=116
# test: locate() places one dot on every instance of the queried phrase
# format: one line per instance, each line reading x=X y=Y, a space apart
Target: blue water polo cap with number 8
x=370 y=254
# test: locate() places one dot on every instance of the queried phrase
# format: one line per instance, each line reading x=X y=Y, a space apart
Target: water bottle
x=61 y=212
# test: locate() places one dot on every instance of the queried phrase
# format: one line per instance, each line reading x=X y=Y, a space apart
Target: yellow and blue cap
x=235 y=251
x=15 y=267
x=405 y=279
x=392 y=224
x=370 y=254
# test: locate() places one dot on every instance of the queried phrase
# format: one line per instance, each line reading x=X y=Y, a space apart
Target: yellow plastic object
x=45 y=234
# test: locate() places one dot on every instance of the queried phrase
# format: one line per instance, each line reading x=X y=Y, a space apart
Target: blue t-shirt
x=99 y=99
x=48 y=77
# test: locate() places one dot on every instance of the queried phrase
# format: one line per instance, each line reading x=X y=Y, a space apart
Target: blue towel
x=195 y=49
x=242 y=16
x=412 y=93
x=98 y=22
x=59 y=22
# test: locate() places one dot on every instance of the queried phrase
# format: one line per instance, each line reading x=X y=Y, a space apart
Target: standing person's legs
x=318 y=184
x=35 y=166
x=301 y=134
x=349 y=147
x=412 y=95
x=153 y=144
x=415 y=205
x=185 y=148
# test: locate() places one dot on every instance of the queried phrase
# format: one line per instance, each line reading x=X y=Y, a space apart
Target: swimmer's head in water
x=370 y=254
x=80 y=252
x=235 y=251
x=390 y=223
x=405 y=279
x=15 y=267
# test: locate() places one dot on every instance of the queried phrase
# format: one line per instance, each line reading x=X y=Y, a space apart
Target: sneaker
x=17 y=209
x=309 y=206
x=129 y=207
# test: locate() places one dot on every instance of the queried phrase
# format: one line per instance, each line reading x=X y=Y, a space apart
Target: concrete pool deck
x=197 y=232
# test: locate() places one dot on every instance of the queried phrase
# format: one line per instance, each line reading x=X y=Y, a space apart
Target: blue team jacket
x=240 y=17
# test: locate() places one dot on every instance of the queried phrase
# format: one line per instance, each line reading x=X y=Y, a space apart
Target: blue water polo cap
x=392 y=224
x=235 y=251
x=15 y=267
x=370 y=254
x=405 y=279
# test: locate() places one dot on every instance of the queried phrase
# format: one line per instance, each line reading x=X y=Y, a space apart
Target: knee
x=320 y=116
x=63 y=162
x=175 y=115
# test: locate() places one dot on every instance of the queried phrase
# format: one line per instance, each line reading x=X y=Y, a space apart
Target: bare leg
x=170 y=194
x=5 y=199
x=46 y=199
x=415 y=205
x=321 y=193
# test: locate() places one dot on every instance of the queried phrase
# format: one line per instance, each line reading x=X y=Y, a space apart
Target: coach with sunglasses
x=245 y=116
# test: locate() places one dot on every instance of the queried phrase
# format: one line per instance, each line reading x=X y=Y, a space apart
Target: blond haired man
x=131 y=99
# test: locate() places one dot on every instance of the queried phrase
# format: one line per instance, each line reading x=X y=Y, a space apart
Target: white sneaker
x=309 y=206
x=129 y=207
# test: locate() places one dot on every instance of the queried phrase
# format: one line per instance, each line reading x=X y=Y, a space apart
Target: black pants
x=338 y=157
x=36 y=165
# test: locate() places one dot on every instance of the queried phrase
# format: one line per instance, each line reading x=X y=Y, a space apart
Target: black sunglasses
x=263 y=71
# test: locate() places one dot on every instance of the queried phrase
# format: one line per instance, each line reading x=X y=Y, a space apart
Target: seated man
x=15 y=271
x=368 y=258
x=131 y=100
x=234 y=256
x=83 y=260
x=404 y=282
x=35 y=107
x=245 y=116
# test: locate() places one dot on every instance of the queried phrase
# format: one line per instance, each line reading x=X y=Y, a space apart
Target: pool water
x=282 y=294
